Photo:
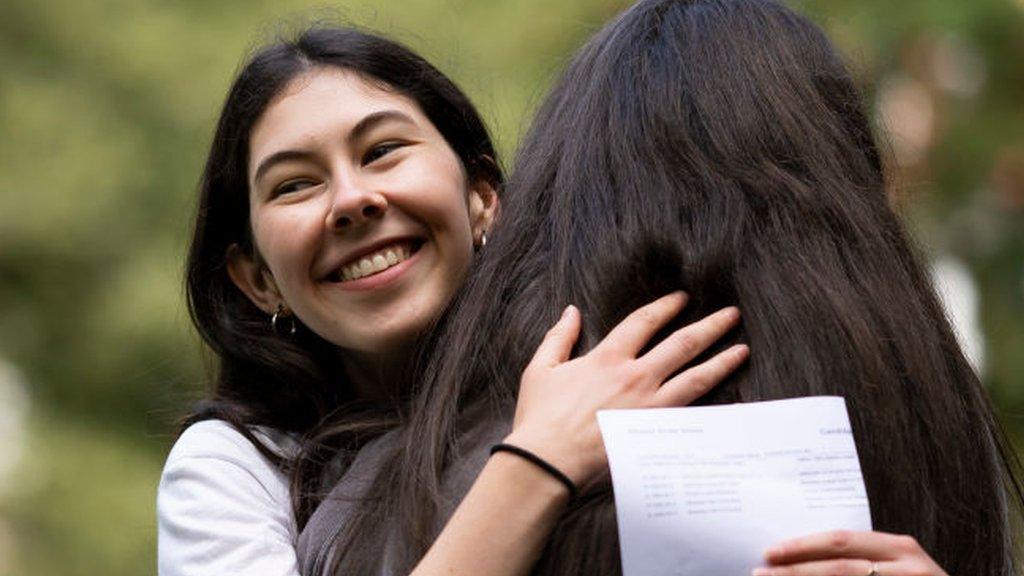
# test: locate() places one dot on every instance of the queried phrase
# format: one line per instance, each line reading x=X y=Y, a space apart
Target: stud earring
x=277 y=322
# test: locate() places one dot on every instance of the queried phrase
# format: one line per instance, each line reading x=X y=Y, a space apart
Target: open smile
x=377 y=261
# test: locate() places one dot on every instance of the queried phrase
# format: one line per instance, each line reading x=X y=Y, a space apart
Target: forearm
x=502 y=524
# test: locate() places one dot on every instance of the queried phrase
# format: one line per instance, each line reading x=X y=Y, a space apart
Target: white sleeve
x=223 y=509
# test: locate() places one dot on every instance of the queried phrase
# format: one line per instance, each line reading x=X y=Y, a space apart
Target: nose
x=352 y=207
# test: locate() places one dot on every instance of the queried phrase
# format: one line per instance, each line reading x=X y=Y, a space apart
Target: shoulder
x=315 y=545
x=220 y=440
x=222 y=507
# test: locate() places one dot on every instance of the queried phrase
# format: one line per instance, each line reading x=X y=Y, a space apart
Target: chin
x=388 y=343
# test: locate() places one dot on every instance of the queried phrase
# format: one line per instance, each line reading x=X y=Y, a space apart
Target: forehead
x=324 y=103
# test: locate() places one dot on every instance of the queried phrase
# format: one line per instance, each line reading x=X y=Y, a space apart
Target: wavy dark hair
x=720 y=147
x=262 y=378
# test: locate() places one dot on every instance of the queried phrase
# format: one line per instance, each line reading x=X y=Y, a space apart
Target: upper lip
x=357 y=253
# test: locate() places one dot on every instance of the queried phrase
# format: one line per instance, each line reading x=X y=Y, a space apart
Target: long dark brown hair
x=263 y=378
x=720 y=147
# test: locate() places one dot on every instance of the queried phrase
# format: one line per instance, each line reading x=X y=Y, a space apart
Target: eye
x=291 y=186
x=378 y=151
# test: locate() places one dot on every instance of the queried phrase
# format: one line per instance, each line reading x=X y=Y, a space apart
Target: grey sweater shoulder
x=315 y=546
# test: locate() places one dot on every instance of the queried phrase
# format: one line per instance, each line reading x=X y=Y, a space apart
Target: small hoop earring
x=276 y=322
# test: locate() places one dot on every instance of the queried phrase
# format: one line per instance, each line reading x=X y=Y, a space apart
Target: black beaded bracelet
x=540 y=463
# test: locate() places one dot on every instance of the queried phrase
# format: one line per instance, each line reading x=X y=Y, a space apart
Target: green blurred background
x=106 y=110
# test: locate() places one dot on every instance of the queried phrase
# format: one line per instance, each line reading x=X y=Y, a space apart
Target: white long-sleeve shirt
x=222 y=508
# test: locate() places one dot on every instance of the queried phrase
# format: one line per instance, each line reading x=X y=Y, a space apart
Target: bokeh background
x=106 y=111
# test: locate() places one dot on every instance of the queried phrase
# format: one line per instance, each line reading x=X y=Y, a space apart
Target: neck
x=374 y=377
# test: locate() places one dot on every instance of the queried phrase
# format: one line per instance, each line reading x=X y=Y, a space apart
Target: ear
x=253 y=279
x=483 y=207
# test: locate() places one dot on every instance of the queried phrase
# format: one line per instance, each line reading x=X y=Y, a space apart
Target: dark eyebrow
x=369 y=122
x=278 y=157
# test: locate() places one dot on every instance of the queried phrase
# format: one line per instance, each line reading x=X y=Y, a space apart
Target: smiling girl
x=348 y=186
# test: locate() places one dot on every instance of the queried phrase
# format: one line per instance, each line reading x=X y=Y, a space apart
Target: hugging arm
x=504 y=522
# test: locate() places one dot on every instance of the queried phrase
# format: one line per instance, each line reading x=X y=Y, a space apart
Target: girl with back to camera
x=720 y=147
x=348 y=187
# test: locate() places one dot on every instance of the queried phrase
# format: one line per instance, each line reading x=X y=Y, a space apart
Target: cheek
x=450 y=207
x=456 y=238
x=443 y=194
x=458 y=255
x=283 y=237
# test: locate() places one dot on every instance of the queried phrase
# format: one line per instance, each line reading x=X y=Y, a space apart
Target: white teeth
x=365 y=267
x=374 y=263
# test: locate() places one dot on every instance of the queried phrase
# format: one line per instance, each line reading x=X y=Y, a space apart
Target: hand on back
x=559 y=396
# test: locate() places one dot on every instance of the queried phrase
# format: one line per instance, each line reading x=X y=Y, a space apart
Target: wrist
x=526 y=478
x=566 y=462
x=540 y=463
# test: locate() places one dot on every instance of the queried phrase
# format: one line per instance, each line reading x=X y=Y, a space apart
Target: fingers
x=558 y=342
x=685 y=344
x=836 y=567
x=847 y=552
x=841 y=544
x=637 y=329
x=687 y=386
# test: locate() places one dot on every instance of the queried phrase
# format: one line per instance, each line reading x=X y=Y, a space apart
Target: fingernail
x=741 y=350
x=567 y=310
x=761 y=572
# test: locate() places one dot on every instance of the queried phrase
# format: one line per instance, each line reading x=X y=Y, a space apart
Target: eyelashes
x=373 y=154
x=379 y=151
x=292 y=186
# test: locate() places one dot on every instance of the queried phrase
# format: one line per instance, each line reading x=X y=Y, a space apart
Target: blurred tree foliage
x=107 y=108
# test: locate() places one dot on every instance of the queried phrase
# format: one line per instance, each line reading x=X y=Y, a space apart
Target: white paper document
x=703 y=491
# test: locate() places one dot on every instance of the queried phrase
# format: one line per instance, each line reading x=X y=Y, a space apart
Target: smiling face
x=362 y=217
